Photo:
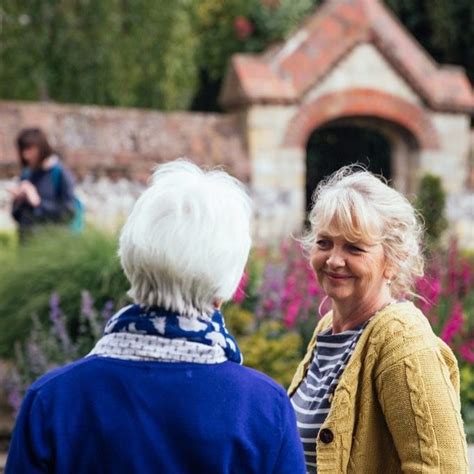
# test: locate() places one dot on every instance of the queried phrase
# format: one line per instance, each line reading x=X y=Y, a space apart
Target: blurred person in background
x=164 y=390
x=45 y=192
x=377 y=391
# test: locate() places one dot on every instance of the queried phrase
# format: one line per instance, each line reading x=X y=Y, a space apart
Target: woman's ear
x=389 y=272
x=388 y=276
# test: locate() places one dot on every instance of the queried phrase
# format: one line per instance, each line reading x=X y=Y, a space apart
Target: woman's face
x=31 y=155
x=349 y=272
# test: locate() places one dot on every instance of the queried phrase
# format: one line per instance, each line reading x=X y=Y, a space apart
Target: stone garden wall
x=112 y=150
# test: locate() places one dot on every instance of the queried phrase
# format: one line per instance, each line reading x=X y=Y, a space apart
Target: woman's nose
x=335 y=259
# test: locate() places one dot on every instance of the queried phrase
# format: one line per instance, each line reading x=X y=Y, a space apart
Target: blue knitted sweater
x=105 y=415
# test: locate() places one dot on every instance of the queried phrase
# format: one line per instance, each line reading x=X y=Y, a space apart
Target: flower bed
x=273 y=314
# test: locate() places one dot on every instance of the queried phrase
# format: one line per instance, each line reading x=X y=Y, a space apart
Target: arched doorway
x=340 y=143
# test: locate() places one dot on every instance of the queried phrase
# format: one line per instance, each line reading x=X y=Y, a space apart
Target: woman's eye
x=356 y=249
x=323 y=243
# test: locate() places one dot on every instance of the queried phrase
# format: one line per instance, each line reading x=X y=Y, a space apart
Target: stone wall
x=112 y=150
x=127 y=143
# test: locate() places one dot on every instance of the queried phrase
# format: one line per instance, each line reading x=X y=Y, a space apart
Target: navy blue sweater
x=104 y=415
x=57 y=199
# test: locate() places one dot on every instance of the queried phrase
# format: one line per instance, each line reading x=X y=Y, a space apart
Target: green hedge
x=55 y=262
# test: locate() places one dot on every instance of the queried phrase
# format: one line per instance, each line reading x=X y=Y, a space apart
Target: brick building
x=351 y=63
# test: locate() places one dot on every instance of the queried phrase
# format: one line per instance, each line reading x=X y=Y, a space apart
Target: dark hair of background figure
x=30 y=137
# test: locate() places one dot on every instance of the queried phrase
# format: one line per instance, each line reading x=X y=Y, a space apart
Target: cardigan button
x=326 y=436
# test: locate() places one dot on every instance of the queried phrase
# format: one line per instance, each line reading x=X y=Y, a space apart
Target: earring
x=389 y=283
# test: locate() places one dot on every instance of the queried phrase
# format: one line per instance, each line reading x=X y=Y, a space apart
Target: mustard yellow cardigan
x=396 y=407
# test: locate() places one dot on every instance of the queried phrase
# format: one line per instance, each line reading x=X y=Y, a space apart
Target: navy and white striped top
x=312 y=400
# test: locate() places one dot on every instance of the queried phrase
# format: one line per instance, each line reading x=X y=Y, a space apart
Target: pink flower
x=429 y=288
x=284 y=249
x=239 y=295
x=467 y=351
x=243 y=27
x=453 y=324
x=466 y=276
x=292 y=313
x=313 y=287
x=269 y=305
x=453 y=255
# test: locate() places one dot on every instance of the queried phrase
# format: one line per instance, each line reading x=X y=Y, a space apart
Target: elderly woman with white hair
x=164 y=390
x=377 y=391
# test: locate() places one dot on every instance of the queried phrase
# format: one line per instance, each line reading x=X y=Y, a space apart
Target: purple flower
x=271 y=291
x=15 y=396
x=108 y=310
x=35 y=356
x=87 y=305
x=59 y=324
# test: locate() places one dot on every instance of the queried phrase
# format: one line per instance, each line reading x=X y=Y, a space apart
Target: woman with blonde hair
x=377 y=391
x=164 y=391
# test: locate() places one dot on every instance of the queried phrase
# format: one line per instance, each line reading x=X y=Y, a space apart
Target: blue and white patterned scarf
x=137 y=333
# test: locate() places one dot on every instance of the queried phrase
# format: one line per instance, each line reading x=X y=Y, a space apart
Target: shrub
x=431 y=202
x=8 y=241
x=266 y=345
x=56 y=262
x=51 y=344
x=225 y=27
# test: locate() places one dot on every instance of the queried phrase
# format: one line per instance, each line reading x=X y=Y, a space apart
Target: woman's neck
x=347 y=316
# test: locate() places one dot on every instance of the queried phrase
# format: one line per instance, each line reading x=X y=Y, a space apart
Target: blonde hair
x=356 y=204
x=186 y=242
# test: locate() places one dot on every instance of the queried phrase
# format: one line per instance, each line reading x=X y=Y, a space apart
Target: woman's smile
x=337 y=276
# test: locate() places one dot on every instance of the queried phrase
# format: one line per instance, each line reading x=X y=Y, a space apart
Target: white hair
x=358 y=205
x=186 y=242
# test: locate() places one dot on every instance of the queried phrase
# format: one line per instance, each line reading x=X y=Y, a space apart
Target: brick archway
x=360 y=103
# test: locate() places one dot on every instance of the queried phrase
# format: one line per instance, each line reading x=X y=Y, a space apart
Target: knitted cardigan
x=396 y=407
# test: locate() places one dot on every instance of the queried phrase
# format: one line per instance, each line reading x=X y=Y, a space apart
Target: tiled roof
x=288 y=71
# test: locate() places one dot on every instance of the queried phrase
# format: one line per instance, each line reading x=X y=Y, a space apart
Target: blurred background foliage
x=430 y=202
x=30 y=274
x=173 y=55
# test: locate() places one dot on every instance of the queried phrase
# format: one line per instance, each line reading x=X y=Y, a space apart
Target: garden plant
x=272 y=314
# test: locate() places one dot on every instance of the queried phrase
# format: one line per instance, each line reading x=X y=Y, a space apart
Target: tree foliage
x=173 y=54
x=445 y=28
x=112 y=52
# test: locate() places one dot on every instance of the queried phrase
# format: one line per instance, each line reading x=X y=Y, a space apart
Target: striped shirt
x=312 y=400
